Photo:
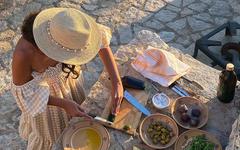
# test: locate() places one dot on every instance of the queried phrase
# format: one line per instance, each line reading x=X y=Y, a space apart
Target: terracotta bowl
x=191 y=103
x=184 y=138
x=164 y=120
x=86 y=136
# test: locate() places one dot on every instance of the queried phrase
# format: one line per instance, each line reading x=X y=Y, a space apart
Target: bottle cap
x=230 y=67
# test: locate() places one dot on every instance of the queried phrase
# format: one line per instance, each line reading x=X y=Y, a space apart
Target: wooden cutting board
x=128 y=114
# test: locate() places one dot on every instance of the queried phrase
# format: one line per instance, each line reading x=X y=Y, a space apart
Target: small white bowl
x=161 y=101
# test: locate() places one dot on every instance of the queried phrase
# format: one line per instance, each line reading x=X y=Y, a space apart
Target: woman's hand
x=108 y=60
x=74 y=109
x=117 y=95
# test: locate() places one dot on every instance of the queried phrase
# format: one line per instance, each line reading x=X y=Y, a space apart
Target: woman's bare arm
x=107 y=58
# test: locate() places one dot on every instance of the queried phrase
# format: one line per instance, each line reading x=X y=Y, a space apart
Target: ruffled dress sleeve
x=106 y=35
x=31 y=97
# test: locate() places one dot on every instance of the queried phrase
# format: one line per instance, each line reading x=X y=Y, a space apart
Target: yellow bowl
x=86 y=136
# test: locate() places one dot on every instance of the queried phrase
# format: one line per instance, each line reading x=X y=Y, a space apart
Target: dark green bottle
x=227 y=84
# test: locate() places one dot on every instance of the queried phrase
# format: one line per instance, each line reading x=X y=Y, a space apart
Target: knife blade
x=177 y=91
x=101 y=120
x=181 y=90
x=132 y=100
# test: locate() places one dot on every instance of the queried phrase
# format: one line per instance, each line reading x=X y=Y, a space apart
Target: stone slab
x=221 y=116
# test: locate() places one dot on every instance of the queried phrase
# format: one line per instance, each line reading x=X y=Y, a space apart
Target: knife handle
x=134 y=83
x=111 y=117
x=92 y=115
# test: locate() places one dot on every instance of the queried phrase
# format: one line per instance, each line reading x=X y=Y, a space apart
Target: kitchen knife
x=177 y=91
x=100 y=120
x=132 y=100
x=180 y=91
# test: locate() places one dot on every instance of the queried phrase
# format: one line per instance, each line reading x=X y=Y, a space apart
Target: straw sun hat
x=67 y=35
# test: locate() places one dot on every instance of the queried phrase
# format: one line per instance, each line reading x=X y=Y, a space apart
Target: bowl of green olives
x=158 y=131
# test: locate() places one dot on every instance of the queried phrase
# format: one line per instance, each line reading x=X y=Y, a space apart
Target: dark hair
x=27 y=28
x=27 y=33
x=70 y=69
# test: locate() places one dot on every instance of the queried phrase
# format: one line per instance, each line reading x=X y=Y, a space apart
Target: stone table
x=221 y=116
x=179 y=22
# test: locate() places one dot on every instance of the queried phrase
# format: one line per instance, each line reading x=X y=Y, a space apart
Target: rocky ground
x=179 y=22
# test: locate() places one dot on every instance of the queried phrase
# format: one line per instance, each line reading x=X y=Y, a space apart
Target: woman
x=47 y=83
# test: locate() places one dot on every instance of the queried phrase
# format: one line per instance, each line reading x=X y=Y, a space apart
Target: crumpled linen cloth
x=160 y=66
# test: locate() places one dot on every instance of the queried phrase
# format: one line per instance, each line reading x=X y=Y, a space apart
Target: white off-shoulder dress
x=41 y=124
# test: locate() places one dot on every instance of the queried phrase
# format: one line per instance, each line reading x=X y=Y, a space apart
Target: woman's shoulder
x=23 y=49
x=21 y=63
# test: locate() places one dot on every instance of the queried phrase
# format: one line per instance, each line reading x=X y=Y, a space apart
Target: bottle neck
x=229 y=74
x=230 y=70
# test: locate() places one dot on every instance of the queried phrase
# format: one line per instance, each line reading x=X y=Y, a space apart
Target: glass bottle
x=227 y=84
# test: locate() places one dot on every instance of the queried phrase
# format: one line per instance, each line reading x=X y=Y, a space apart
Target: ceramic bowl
x=86 y=136
x=191 y=103
x=165 y=120
x=184 y=139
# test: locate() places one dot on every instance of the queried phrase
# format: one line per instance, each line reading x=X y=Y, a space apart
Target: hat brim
x=56 y=52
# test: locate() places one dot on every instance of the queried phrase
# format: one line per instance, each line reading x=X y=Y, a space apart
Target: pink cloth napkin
x=160 y=66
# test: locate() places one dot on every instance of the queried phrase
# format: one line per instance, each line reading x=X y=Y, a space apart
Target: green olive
x=167 y=132
x=158 y=128
x=167 y=140
x=149 y=130
x=167 y=136
x=163 y=136
x=163 y=130
x=155 y=141
x=162 y=142
x=127 y=127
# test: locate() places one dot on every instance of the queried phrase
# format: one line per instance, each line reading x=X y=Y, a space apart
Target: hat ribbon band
x=63 y=47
